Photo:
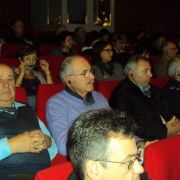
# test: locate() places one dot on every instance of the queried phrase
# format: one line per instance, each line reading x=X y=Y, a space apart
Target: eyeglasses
x=85 y=73
x=108 y=50
x=129 y=163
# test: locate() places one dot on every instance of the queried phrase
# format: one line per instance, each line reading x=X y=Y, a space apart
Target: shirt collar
x=88 y=100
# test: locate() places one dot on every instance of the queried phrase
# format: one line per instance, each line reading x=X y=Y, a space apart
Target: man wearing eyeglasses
x=77 y=97
x=101 y=145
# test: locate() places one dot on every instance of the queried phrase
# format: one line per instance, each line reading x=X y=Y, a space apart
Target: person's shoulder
x=57 y=98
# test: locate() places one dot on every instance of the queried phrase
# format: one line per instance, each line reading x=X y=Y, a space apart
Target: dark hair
x=25 y=51
x=98 y=48
x=89 y=134
x=62 y=37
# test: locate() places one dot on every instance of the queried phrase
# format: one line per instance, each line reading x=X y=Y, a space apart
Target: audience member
x=172 y=89
x=142 y=101
x=17 y=34
x=80 y=35
x=169 y=51
x=158 y=42
x=29 y=75
x=101 y=145
x=66 y=44
x=77 y=98
x=119 y=52
x=60 y=28
x=91 y=39
x=25 y=144
x=105 y=67
x=105 y=35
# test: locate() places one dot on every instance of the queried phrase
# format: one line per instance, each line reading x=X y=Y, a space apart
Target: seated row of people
x=145 y=106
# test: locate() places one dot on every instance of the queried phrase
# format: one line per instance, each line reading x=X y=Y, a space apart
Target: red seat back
x=46 y=49
x=58 y=172
x=12 y=62
x=44 y=92
x=106 y=87
x=10 y=50
x=162 y=159
x=159 y=82
x=21 y=95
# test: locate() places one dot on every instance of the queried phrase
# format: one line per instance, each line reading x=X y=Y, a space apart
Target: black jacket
x=171 y=93
x=146 y=111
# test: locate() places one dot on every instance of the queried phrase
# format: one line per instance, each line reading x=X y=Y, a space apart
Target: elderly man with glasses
x=77 y=97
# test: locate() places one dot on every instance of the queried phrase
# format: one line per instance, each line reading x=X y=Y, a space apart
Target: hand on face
x=173 y=126
x=33 y=141
x=44 y=66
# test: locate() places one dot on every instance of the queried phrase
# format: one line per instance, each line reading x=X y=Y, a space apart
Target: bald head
x=7 y=86
x=76 y=74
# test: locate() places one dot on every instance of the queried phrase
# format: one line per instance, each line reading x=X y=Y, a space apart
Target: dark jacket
x=145 y=110
x=171 y=93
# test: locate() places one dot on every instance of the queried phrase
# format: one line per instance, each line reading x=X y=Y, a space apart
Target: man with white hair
x=171 y=91
x=143 y=102
x=77 y=97
x=169 y=52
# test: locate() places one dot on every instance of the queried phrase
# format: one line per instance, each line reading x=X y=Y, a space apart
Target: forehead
x=142 y=64
x=5 y=71
x=33 y=54
x=171 y=45
x=120 y=147
x=79 y=64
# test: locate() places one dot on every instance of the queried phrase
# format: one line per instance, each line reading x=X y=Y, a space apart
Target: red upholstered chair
x=10 y=49
x=12 y=62
x=162 y=159
x=44 y=92
x=45 y=49
x=159 y=82
x=21 y=95
x=58 y=172
x=106 y=87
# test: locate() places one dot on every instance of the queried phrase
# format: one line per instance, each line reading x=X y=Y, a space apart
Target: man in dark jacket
x=143 y=101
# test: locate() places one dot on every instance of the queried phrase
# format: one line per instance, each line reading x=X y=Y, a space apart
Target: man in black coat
x=143 y=101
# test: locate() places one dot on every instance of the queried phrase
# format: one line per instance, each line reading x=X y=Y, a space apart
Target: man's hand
x=173 y=126
x=33 y=141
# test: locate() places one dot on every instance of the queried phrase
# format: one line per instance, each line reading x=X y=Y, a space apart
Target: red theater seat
x=21 y=95
x=106 y=87
x=162 y=159
x=44 y=92
x=159 y=82
x=46 y=49
x=10 y=49
x=58 y=172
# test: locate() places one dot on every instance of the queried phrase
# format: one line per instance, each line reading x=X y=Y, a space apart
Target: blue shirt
x=4 y=145
x=61 y=111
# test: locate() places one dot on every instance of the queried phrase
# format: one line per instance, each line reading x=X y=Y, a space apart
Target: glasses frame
x=129 y=163
x=86 y=73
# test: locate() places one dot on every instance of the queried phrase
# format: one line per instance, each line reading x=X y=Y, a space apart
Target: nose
x=5 y=83
x=91 y=75
x=150 y=74
x=137 y=168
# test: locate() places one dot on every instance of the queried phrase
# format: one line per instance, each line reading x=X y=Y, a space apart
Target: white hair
x=174 y=66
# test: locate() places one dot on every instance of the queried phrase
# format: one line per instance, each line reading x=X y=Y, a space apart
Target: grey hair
x=132 y=63
x=65 y=68
x=173 y=66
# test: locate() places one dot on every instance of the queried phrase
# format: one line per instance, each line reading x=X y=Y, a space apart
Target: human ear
x=92 y=170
